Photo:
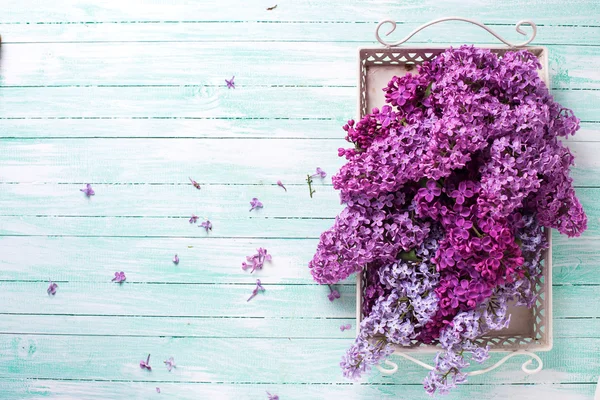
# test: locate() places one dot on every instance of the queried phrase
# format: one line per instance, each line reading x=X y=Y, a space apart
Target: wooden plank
x=576 y=301
x=188 y=101
x=173 y=201
x=102 y=390
x=148 y=227
x=172 y=161
x=220 y=300
x=251 y=33
x=576 y=261
x=230 y=360
x=168 y=161
x=509 y=11
x=325 y=328
x=199 y=128
x=262 y=64
x=213 y=102
x=179 y=201
x=204 y=300
x=86 y=260
x=181 y=128
x=576 y=328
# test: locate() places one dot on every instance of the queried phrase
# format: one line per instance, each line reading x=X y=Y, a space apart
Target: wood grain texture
x=199 y=128
x=213 y=102
x=174 y=201
x=284 y=360
x=94 y=390
x=224 y=327
x=293 y=32
x=251 y=161
x=580 y=12
x=173 y=161
x=145 y=260
x=206 y=300
x=220 y=300
x=131 y=97
x=262 y=64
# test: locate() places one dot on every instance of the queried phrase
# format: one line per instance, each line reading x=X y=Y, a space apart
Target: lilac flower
x=345 y=327
x=52 y=288
x=170 y=363
x=88 y=190
x=146 y=364
x=386 y=116
x=175 y=259
x=119 y=277
x=333 y=294
x=430 y=191
x=207 y=225
x=272 y=396
x=320 y=173
x=257 y=260
x=194 y=183
x=464 y=191
x=255 y=203
x=193 y=219
x=258 y=288
x=230 y=83
x=281 y=185
x=446 y=190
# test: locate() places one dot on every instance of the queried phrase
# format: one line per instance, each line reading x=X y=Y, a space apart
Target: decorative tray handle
x=525 y=367
x=500 y=38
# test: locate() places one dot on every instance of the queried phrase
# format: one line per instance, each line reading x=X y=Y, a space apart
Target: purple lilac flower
x=386 y=116
x=194 y=183
x=257 y=289
x=193 y=219
x=119 y=277
x=230 y=83
x=447 y=189
x=170 y=364
x=206 y=225
x=52 y=288
x=175 y=259
x=88 y=190
x=333 y=293
x=281 y=185
x=364 y=232
x=257 y=260
x=255 y=203
x=272 y=396
x=396 y=317
x=345 y=327
x=146 y=364
x=320 y=173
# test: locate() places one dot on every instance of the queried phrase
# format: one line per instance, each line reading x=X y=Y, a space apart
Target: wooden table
x=131 y=97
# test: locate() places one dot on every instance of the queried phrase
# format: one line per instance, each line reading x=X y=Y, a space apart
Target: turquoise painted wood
x=131 y=97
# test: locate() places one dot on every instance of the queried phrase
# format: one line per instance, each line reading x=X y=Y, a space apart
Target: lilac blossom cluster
x=447 y=190
x=396 y=317
x=459 y=339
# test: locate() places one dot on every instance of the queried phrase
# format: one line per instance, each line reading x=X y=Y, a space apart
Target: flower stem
x=477 y=232
x=310 y=189
x=409 y=256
